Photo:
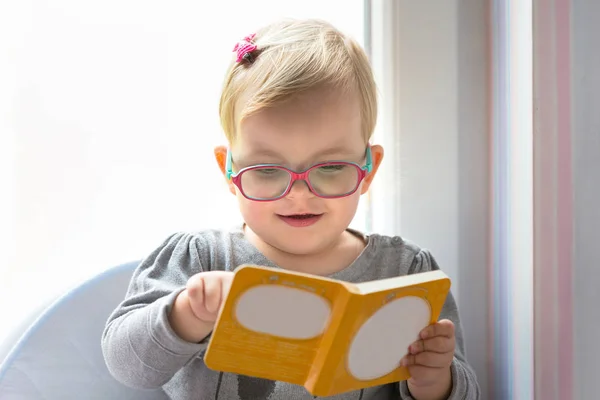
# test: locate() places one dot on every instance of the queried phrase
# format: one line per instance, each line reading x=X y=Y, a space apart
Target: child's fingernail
x=404 y=362
x=424 y=334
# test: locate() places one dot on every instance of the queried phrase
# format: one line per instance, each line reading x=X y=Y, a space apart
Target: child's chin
x=299 y=244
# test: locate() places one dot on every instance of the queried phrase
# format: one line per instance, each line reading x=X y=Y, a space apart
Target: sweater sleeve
x=464 y=380
x=139 y=346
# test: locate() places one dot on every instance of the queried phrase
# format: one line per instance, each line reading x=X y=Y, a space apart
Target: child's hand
x=429 y=361
x=196 y=308
x=206 y=293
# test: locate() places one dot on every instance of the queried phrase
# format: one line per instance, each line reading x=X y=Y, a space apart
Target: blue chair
x=59 y=357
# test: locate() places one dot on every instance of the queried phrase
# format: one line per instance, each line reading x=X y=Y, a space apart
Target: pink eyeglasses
x=329 y=180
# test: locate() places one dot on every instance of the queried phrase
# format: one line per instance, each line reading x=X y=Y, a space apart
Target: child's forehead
x=318 y=100
x=319 y=107
x=316 y=125
x=310 y=150
x=310 y=119
x=300 y=153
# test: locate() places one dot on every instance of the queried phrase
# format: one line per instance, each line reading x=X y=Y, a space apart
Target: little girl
x=298 y=108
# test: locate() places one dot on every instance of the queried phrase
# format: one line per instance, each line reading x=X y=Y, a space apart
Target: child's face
x=319 y=126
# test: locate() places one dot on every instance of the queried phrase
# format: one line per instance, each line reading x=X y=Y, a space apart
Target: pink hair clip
x=245 y=48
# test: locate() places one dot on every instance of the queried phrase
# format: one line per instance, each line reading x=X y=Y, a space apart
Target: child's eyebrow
x=263 y=153
x=337 y=150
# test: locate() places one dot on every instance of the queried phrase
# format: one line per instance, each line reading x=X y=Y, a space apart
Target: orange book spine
x=333 y=346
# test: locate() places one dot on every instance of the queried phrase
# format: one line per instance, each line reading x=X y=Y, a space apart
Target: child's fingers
x=226 y=279
x=195 y=292
x=217 y=282
x=213 y=289
x=206 y=292
x=423 y=375
x=444 y=327
x=427 y=359
x=437 y=344
x=195 y=288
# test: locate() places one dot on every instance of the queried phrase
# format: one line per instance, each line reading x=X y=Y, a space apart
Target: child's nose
x=299 y=189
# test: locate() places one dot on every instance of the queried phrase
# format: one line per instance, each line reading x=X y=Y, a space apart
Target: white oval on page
x=383 y=339
x=283 y=311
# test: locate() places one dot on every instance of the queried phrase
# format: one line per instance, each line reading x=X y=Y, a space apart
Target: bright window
x=108 y=126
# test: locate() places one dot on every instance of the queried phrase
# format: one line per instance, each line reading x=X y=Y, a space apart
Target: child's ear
x=376 y=157
x=221 y=157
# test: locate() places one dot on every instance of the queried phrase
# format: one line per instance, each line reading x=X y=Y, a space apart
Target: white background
x=108 y=119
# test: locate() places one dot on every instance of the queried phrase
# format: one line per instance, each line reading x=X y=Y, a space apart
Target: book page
x=273 y=323
x=381 y=320
x=400 y=281
x=383 y=340
x=283 y=311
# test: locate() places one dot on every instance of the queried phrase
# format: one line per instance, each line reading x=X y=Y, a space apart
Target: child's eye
x=267 y=171
x=332 y=168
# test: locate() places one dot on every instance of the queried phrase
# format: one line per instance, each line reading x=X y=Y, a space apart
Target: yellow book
x=327 y=335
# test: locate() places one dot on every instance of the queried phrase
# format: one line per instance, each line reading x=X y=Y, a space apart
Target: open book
x=326 y=335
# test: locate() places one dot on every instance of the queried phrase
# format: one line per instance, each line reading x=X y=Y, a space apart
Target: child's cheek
x=256 y=212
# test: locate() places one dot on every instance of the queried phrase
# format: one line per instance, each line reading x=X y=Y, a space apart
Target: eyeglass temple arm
x=369 y=165
x=228 y=170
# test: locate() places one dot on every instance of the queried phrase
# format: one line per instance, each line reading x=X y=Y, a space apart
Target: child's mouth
x=300 y=220
x=301 y=216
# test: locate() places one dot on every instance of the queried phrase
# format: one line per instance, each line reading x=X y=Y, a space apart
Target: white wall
x=436 y=175
x=472 y=170
x=8 y=25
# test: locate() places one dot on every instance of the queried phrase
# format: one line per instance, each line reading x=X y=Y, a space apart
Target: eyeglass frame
x=298 y=176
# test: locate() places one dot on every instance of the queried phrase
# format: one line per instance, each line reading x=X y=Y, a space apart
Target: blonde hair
x=293 y=56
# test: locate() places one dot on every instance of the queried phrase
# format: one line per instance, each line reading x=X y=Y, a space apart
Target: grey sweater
x=141 y=350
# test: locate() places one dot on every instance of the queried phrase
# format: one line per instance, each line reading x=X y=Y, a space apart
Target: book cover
x=327 y=335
